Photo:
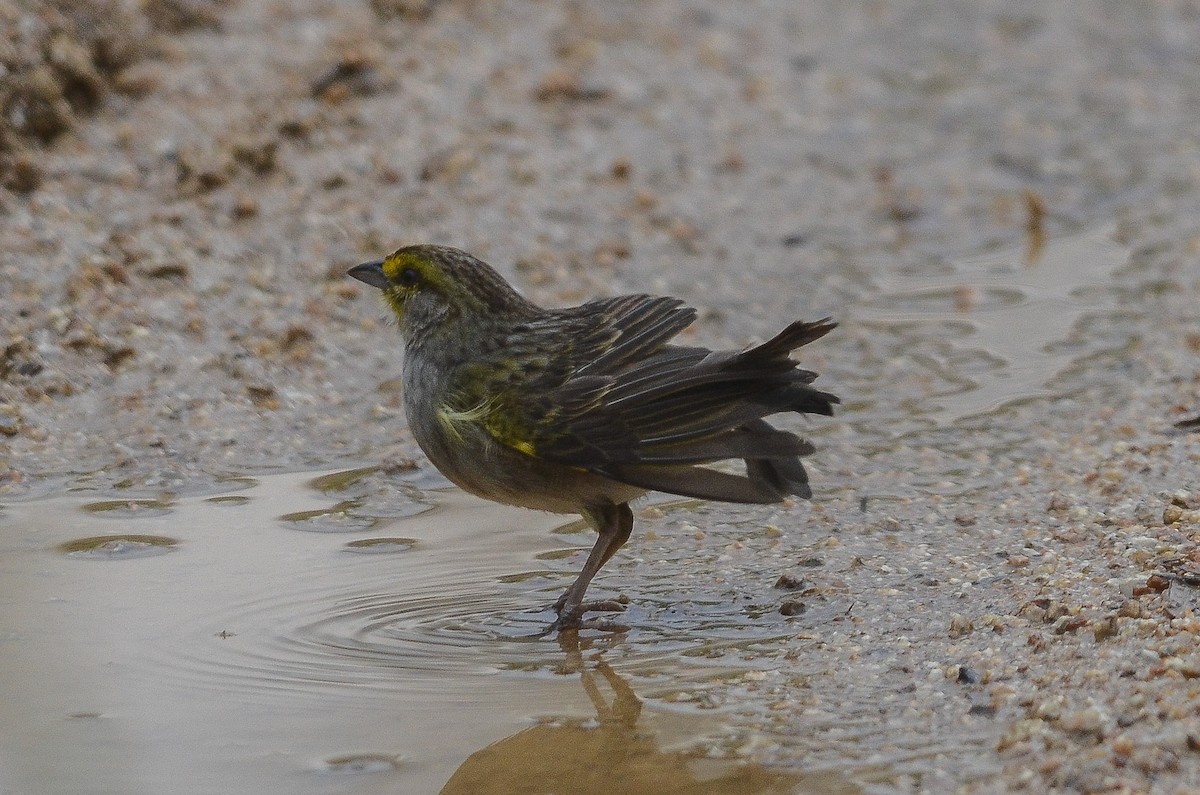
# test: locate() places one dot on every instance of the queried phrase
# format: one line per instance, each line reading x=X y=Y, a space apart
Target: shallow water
x=254 y=657
x=1006 y=321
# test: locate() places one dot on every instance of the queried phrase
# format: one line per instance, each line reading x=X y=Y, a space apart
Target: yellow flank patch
x=451 y=418
x=447 y=422
x=470 y=415
x=483 y=415
x=524 y=447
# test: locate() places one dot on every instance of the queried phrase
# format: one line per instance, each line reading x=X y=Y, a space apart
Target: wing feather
x=619 y=400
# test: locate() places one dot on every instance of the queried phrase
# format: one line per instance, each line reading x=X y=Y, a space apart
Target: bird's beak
x=370 y=273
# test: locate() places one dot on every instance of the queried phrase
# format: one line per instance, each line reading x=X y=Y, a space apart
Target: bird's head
x=427 y=285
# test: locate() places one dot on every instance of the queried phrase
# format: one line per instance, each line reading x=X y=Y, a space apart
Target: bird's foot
x=575 y=624
x=602 y=606
x=597 y=606
x=571 y=617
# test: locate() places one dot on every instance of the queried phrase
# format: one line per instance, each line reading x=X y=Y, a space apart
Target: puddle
x=995 y=330
x=259 y=658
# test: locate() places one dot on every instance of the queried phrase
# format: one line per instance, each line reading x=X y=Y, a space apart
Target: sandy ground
x=1002 y=557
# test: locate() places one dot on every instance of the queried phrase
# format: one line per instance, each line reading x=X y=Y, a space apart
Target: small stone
x=789 y=582
x=413 y=10
x=561 y=84
x=448 y=165
x=1131 y=609
x=1187 y=667
x=1106 y=629
x=1068 y=624
x=1122 y=745
x=1089 y=721
x=116 y=356
x=138 y=81
x=264 y=397
x=1151 y=760
x=792 y=607
x=960 y=626
x=167 y=270
x=1036 y=609
x=1157 y=583
x=1144 y=512
x=23 y=174
x=258 y=156
x=177 y=16
x=245 y=207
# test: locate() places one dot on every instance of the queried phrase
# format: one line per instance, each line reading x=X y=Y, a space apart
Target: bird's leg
x=614 y=523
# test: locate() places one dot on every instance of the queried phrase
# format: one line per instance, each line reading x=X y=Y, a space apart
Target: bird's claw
x=602 y=606
x=572 y=618
x=597 y=606
x=575 y=624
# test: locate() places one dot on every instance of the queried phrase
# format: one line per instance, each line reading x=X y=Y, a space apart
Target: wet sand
x=993 y=590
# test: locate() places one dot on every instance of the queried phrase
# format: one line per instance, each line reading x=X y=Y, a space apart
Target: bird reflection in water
x=608 y=754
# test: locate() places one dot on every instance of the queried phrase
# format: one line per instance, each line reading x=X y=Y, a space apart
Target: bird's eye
x=409 y=277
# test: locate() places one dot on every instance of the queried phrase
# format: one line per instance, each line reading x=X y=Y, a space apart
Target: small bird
x=581 y=410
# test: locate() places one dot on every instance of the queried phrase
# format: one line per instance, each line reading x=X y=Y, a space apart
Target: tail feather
x=786 y=475
x=699 y=482
x=765 y=442
x=657 y=422
x=807 y=400
x=796 y=335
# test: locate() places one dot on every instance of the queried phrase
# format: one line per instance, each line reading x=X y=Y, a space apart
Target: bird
x=584 y=409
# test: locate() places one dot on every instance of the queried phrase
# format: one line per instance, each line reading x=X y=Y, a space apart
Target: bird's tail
x=714 y=412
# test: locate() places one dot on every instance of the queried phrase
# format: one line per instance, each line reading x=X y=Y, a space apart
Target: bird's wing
x=553 y=369
x=686 y=405
x=598 y=388
x=605 y=335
